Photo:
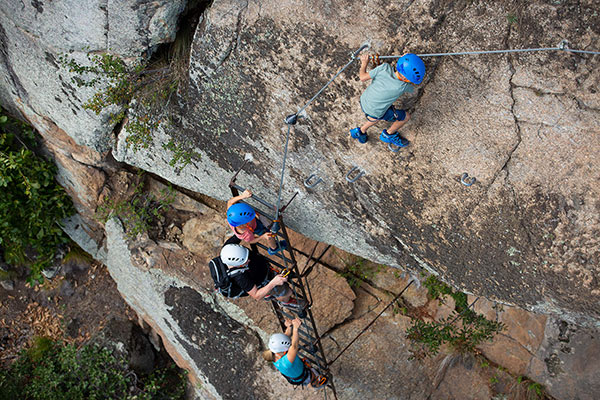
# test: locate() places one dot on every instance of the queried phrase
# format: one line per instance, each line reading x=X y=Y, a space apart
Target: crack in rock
x=235 y=42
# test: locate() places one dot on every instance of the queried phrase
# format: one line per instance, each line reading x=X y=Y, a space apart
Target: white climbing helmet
x=278 y=343
x=234 y=255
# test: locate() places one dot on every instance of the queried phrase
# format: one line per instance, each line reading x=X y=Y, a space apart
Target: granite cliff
x=524 y=125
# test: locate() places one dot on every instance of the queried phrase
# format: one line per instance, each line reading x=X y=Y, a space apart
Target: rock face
x=34 y=34
x=524 y=125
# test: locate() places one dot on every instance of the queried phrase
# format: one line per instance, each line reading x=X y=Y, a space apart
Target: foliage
x=359 y=270
x=32 y=204
x=463 y=330
x=181 y=154
x=528 y=389
x=436 y=289
x=136 y=95
x=55 y=371
x=138 y=212
x=118 y=85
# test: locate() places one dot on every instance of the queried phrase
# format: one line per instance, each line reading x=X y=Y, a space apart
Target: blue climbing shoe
x=394 y=139
x=356 y=133
x=282 y=246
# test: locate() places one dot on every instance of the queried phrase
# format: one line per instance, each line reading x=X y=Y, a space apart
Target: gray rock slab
x=523 y=234
x=565 y=364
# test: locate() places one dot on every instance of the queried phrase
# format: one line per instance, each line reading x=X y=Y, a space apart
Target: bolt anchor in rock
x=466 y=180
x=291 y=119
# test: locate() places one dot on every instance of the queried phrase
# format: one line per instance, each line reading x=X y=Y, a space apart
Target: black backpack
x=222 y=275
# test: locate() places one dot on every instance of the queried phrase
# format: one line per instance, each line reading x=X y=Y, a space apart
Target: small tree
x=462 y=331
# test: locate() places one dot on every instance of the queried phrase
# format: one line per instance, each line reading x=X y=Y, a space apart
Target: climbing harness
x=356 y=175
x=375 y=60
x=466 y=180
x=308 y=181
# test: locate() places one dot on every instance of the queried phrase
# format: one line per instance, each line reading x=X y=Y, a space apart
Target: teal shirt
x=383 y=91
x=291 y=370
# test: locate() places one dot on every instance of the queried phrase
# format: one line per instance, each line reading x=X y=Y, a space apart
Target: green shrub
x=463 y=330
x=32 y=204
x=138 y=212
x=436 y=289
x=139 y=92
x=56 y=371
x=359 y=270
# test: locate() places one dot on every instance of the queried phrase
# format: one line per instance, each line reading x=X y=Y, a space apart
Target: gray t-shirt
x=383 y=91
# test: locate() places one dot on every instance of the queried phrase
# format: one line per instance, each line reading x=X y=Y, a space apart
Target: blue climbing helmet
x=240 y=214
x=412 y=67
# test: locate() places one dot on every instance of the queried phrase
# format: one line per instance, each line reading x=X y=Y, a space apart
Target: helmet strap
x=402 y=78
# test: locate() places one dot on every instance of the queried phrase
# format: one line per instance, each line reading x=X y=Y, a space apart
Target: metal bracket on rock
x=291 y=119
x=309 y=184
x=563 y=45
x=393 y=148
x=466 y=180
x=361 y=48
x=352 y=180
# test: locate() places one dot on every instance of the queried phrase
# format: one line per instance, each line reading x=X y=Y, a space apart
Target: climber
x=250 y=271
x=378 y=99
x=247 y=226
x=283 y=352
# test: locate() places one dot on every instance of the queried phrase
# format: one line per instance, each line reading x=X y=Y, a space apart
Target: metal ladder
x=310 y=342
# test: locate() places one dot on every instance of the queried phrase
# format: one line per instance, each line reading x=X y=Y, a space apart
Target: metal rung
x=278 y=254
x=294 y=284
x=307 y=345
x=282 y=257
x=310 y=344
x=315 y=361
x=289 y=316
x=306 y=328
x=307 y=333
x=255 y=197
x=281 y=267
x=311 y=353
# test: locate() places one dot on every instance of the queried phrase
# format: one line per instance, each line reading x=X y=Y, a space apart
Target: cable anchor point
x=291 y=119
x=564 y=45
x=357 y=52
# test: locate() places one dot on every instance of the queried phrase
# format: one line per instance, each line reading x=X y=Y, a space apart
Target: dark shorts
x=277 y=291
x=260 y=228
x=390 y=115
